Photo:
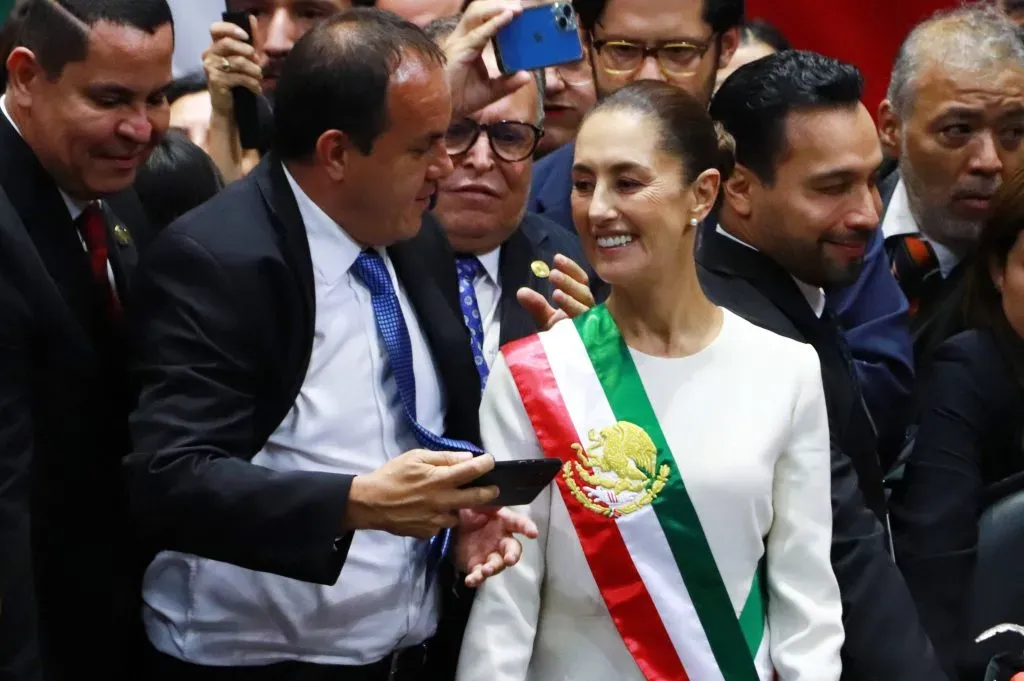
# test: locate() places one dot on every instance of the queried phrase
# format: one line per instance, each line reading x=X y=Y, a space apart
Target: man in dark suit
x=954 y=124
x=797 y=214
x=82 y=109
x=307 y=384
x=871 y=309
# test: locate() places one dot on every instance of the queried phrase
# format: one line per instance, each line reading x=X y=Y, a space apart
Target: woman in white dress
x=688 y=532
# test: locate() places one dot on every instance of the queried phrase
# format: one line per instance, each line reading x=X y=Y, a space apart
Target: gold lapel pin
x=540 y=268
x=121 y=235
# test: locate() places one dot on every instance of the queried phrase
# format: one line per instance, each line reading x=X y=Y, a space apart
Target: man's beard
x=932 y=213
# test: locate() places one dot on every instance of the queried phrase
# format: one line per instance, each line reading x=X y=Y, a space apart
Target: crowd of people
x=774 y=339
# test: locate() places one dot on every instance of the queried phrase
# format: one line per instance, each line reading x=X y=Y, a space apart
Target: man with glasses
x=686 y=42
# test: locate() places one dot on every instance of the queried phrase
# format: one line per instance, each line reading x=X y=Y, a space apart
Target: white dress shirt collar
x=334 y=251
x=899 y=220
x=814 y=295
x=491 y=263
x=74 y=206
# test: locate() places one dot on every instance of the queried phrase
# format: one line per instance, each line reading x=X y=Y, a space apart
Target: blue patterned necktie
x=468 y=269
x=373 y=272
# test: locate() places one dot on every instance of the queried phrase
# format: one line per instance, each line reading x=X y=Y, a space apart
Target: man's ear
x=729 y=41
x=23 y=70
x=334 y=152
x=737 y=190
x=890 y=129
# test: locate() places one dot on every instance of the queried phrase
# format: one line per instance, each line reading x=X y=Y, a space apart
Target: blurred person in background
x=758 y=39
x=177 y=177
x=191 y=107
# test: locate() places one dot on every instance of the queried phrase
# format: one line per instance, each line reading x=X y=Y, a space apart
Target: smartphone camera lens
x=567 y=11
x=562 y=22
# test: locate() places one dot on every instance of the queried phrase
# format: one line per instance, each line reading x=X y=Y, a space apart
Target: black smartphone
x=518 y=482
x=246 y=107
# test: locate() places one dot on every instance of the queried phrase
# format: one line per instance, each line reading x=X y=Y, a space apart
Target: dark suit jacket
x=225 y=326
x=884 y=640
x=68 y=572
x=941 y=314
x=969 y=438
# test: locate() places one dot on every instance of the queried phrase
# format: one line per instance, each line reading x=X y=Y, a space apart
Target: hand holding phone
x=542 y=36
x=518 y=482
x=246 y=107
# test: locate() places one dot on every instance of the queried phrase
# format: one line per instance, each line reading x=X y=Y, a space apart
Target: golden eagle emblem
x=618 y=471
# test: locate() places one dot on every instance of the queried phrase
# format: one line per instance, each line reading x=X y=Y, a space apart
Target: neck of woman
x=667 y=316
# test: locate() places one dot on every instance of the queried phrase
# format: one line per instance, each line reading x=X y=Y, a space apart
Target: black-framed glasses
x=676 y=59
x=510 y=140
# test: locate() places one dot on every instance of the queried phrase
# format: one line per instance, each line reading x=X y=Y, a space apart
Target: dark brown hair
x=687 y=131
x=983 y=301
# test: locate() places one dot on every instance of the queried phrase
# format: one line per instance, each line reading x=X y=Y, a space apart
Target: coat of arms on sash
x=617 y=471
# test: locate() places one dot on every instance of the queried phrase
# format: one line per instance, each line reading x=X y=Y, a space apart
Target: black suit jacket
x=941 y=314
x=67 y=574
x=969 y=439
x=225 y=331
x=884 y=639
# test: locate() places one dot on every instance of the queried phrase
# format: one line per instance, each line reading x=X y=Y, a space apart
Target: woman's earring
x=694 y=222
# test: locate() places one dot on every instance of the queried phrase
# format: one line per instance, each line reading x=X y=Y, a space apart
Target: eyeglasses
x=510 y=140
x=676 y=60
x=575 y=73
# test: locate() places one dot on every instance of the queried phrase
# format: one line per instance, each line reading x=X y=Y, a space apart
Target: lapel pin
x=121 y=235
x=540 y=268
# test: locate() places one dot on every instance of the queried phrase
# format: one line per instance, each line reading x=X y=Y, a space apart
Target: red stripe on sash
x=630 y=605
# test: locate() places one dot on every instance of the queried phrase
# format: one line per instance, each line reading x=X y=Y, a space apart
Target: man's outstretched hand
x=487 y=543
x=572 y=295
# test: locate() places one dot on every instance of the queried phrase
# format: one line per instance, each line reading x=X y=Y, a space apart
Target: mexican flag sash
x=638 y=528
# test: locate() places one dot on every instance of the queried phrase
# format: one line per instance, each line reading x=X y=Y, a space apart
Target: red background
x=867 y=33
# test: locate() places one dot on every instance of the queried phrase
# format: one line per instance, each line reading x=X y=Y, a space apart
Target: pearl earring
x=694 y=222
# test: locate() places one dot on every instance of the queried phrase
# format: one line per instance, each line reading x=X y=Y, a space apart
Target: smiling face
x=961 y=137
x=98 y=121
x=630 y=200
x=818 y=215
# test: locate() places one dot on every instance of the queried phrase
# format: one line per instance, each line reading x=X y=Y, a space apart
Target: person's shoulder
x=235 y=222
x=974 y=350
x=558 y=162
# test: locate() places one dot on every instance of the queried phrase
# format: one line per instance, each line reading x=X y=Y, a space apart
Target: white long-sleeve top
x=747 y=424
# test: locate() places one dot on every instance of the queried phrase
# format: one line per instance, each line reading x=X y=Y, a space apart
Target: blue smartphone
x=542 y=36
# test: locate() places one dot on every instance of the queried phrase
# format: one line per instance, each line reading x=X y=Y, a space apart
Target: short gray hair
x=438 y=30
x=973 y=37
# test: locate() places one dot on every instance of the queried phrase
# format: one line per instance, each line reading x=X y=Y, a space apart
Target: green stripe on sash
x=734 y=642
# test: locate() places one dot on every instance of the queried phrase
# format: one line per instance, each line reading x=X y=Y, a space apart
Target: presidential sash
x=635 y=521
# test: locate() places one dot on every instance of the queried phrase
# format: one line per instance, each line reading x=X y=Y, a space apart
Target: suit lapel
x=287 y=220
x=121 y=251
x=514 y=271
x=45 y=217
x=720 y=254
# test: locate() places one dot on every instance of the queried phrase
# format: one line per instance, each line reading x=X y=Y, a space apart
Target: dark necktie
x=468 y=269
x=93 y=228
x=915 y=266
x=372 y=271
